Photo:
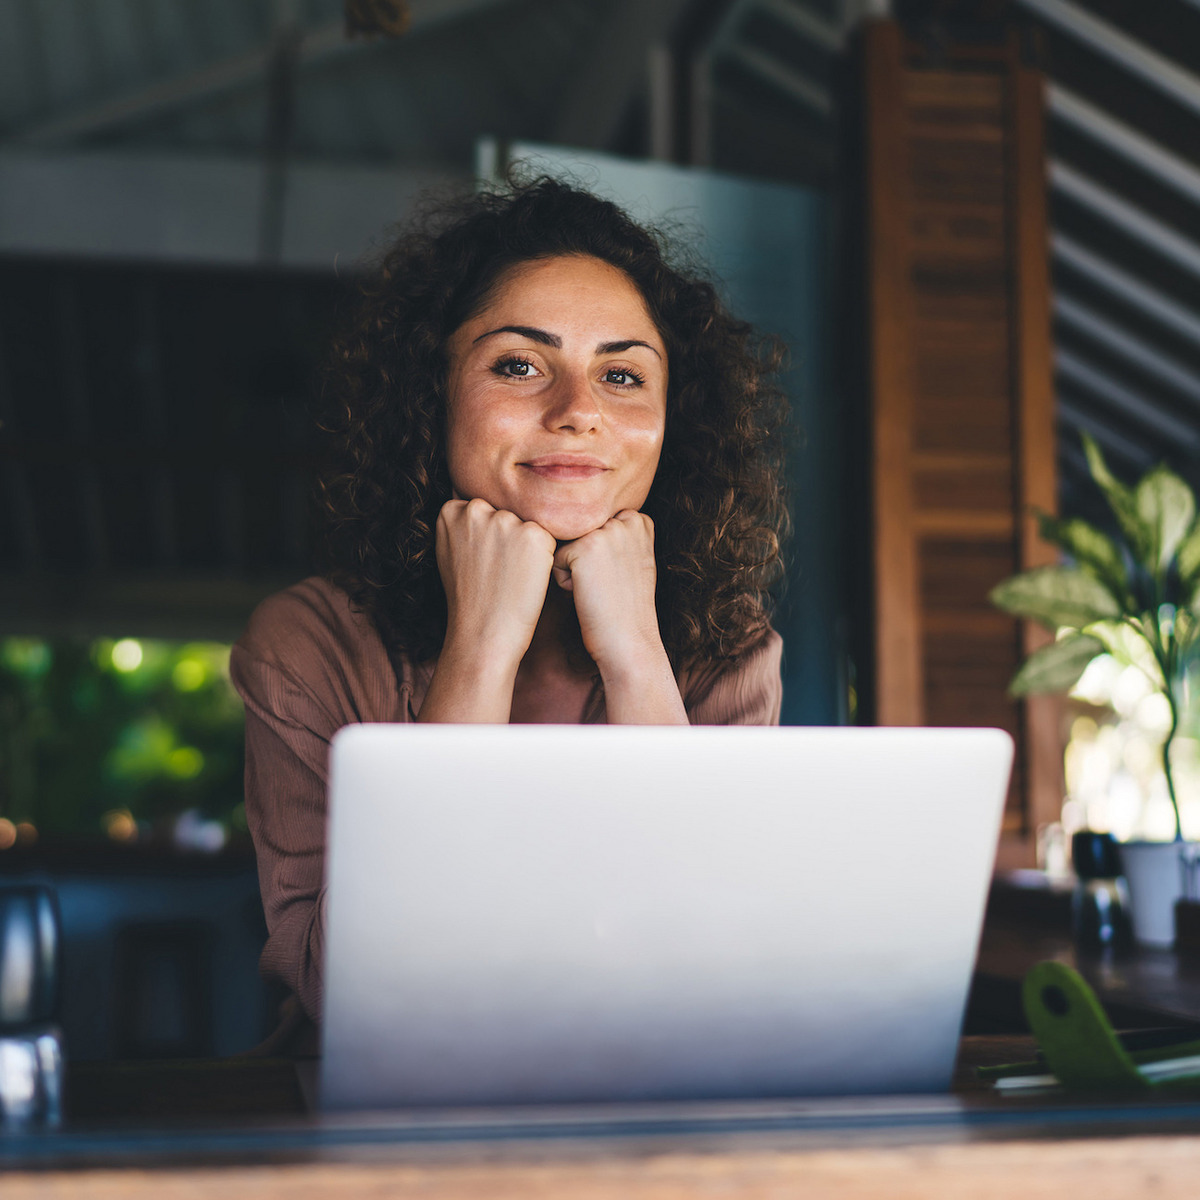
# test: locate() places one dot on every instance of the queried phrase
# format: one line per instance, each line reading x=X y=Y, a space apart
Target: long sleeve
x=305 y=667
x=286 y=759
x=308 y=665
x=748 y=693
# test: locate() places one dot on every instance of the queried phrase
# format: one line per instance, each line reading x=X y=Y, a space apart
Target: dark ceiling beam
x=1124 y=141
x=1123 y=456
x=1134 y=222
x=16 y=481
x=184 y=605
x=1080 y=317
x=153 y=392
x=613 y=70
x=1128 y=53
x=1126 y=288
x=1117 y=397
x=230 y=75
x=73 y=365
x=813 y=28
x=782 y=78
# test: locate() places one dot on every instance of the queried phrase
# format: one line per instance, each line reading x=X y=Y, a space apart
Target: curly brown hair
x=717 y=500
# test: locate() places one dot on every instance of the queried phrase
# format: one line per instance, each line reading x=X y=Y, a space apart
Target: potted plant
x=1141 y=585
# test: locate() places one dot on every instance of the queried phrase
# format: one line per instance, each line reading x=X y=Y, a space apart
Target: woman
x=554 y=495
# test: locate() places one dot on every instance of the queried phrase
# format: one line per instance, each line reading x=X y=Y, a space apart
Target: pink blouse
x=308 y=664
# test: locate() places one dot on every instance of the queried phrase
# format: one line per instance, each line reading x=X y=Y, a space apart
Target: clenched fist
x=495 y=569
x=612 y=575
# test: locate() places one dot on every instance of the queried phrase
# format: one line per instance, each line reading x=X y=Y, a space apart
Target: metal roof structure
x=1123 y=108
x=206 y=76
x=162 y=160
x=183 y=184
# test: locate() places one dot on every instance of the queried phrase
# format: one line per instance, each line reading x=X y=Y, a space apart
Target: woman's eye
x=620 y=378
x=515 y=368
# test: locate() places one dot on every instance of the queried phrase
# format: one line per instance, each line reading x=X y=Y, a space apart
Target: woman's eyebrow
x=529 y=331
x=552 y=339
x=618 y=347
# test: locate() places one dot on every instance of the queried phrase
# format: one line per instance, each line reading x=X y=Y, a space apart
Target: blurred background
x=915 y=195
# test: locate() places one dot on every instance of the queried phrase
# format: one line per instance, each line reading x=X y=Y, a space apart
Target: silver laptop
x=531 y=914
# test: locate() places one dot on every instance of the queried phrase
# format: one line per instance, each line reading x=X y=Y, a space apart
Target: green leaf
x=1089 y=547
x=1120 y=499
x=1056 y=596
x=1057 y=667
x=1186 y=627
x=1188 y=558
x=1167 y=508
x=1116 y=637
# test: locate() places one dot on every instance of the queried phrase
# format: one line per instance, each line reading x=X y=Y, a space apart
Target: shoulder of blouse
x=312 y=634
x=746 y=690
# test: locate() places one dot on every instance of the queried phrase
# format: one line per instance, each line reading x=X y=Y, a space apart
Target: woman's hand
x=495 y=569
x=612 y=575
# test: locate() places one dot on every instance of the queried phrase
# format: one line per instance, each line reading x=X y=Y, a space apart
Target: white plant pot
x=1157 y=874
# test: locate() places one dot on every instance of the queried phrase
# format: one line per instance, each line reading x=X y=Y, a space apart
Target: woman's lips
x=565 y=466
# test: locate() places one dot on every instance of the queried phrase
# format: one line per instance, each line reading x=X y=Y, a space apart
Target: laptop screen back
x=529 y=914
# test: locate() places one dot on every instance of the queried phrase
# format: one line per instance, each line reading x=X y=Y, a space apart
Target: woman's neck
x=556 y=647
x=555 y=680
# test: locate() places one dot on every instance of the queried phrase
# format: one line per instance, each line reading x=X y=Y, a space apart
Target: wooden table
x=1029 y=923
x=237 y=1129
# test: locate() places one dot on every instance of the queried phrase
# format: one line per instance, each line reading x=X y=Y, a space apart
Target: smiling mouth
x=565 y=467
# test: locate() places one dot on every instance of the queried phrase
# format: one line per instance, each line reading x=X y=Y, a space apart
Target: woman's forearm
x=469 y=687
x=642 y=690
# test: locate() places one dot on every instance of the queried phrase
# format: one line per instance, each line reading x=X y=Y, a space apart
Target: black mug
x=1100 y=906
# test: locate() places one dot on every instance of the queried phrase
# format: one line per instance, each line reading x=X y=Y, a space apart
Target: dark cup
x=29 y=956
x=1095 y=855
x=1100 y=906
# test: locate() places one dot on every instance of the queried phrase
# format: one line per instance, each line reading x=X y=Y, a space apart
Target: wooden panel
x=968 y=648
x=965 y=680
x=897 y=651
x=966 y=421
x=961 y=395
x=958 y=573
x=963 y=483
x=1037 y=484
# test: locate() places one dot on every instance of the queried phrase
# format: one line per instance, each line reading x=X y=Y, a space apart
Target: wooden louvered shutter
x=960 y=396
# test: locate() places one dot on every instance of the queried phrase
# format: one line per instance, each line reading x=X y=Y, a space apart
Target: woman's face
x=558 y=396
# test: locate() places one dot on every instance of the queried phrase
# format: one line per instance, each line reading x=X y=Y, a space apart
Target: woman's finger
x=562 y=566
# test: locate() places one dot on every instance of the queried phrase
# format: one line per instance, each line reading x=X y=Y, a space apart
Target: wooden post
x=898 y=681
x=961 y=403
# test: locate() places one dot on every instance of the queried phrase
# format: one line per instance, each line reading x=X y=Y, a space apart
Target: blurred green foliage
x=150 y=727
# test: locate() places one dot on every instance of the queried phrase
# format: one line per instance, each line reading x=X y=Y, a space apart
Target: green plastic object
x=1075 y=1037
x=1078 y=1045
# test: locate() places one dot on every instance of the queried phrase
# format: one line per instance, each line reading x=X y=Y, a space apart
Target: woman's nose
x=573 y=404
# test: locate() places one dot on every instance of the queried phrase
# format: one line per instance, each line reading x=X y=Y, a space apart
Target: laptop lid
x=527 y=914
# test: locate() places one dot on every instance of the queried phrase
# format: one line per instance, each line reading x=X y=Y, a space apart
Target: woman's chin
x=568 y=527
x=570 y=531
